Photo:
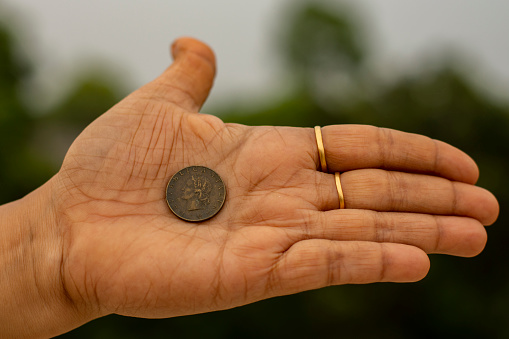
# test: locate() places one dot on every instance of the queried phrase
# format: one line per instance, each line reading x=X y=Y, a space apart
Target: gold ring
x=340 y=191
x=321 y=149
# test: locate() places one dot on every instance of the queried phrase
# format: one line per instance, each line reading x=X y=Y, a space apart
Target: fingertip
x=471 y=170
x=455 y=164
x=413 y=266
x=460 y=236
x=475 y=202
x=185 y=45
x=475 y=243
x=189 y=79
x=491 y=209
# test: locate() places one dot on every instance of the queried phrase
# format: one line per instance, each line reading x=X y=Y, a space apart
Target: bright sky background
x=62 y=35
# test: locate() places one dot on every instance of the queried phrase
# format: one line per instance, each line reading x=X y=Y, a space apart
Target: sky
x=133 y=38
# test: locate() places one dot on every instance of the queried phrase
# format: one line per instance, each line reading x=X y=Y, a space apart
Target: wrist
x=33 y=300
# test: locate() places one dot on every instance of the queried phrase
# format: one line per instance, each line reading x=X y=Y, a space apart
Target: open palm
x=280 y=230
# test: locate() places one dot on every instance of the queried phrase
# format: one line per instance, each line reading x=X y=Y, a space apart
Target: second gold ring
x=321 y=149
x=340 y=190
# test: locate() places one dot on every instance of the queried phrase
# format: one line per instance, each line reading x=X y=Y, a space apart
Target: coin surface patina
x=195 y=193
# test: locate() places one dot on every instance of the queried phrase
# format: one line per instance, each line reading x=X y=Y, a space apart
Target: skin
x=98 y=238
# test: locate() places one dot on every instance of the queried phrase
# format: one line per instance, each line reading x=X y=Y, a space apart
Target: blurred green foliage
x=324 y=52
x=16 y=125
x=33 y=143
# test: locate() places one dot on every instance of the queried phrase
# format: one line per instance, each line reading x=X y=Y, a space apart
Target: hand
x=280 y=231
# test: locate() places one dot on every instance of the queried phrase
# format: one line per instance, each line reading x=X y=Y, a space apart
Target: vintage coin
x=195 y=193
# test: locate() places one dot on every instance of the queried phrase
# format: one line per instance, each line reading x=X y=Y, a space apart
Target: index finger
x=349 y=147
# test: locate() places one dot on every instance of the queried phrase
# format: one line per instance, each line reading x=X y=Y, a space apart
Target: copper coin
x=195 y=193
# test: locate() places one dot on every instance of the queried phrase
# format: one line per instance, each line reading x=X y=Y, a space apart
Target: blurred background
x=439 y=68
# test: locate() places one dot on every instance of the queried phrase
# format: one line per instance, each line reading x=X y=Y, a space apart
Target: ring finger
x=380 y=190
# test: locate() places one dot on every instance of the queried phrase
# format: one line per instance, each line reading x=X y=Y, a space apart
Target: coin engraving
x=195 y=193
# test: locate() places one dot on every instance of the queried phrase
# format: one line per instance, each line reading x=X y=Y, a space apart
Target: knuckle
x=398 y=189
x=385 y=141
x=383 y=228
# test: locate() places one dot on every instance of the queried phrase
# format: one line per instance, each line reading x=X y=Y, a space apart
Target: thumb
x=187 y=82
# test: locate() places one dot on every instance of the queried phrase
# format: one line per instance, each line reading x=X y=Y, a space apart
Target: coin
x=195 y=193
